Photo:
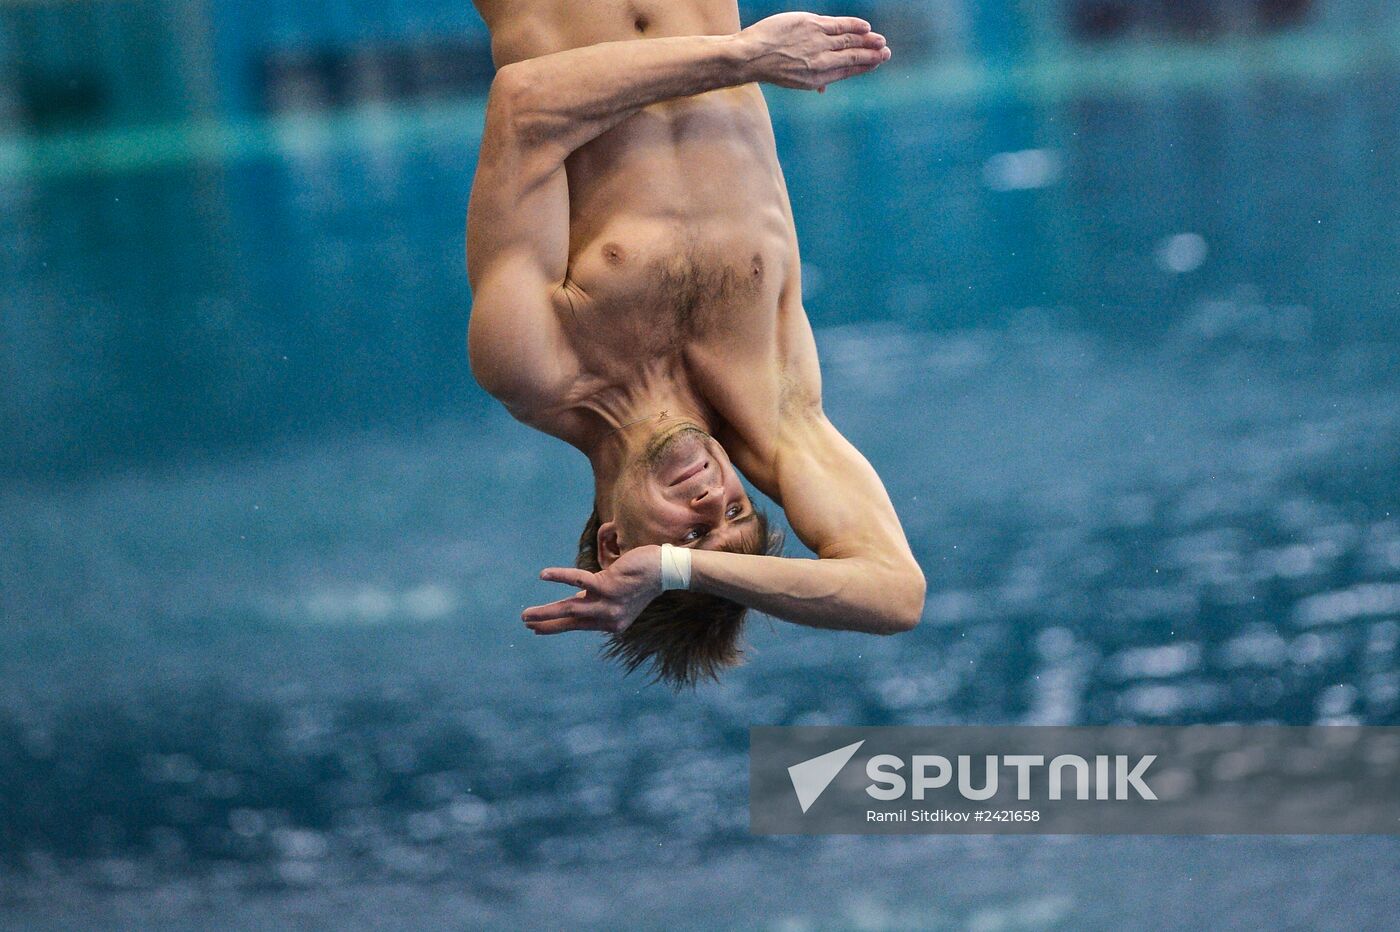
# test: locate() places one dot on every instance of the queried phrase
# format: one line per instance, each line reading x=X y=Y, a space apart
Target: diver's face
x=684 y=491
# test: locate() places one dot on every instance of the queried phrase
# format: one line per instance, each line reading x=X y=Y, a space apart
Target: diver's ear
x=609 y=546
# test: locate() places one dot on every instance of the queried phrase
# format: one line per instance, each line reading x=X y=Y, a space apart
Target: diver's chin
x=661 y=442
x=681 y=455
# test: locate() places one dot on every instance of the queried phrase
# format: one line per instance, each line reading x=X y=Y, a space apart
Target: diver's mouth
x=690 y=473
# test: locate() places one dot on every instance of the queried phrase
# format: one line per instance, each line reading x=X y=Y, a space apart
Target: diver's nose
x=707 y=494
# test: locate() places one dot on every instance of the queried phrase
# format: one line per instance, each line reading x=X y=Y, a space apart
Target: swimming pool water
x=1126 y=364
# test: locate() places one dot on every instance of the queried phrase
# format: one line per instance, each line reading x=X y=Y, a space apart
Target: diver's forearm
x=850 y=594
x=556 y=103
x=571 y=97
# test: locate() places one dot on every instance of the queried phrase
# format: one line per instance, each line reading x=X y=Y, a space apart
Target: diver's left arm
x=864 y=578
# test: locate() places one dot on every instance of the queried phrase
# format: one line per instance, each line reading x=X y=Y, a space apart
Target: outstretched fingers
x=576 y=613
x=585 y=610
x=854 y=58
x=841 y=71
x=576 y=606
x=851 y=40
x=561 y=625
x=835 y=25
x=857 y=55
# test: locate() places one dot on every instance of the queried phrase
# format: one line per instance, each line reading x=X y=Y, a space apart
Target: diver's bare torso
x=683 y=261
x=631 y=251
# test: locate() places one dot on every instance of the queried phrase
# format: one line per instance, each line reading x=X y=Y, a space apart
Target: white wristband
x=675 y=567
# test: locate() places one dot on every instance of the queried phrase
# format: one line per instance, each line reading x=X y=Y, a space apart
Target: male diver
x=636 y=293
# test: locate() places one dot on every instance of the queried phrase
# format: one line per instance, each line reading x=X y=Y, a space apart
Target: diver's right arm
x=564 y=100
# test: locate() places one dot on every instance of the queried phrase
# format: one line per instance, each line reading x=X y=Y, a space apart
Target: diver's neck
x=628 y=420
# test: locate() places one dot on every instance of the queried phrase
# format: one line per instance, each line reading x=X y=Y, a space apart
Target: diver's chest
x=667 y=280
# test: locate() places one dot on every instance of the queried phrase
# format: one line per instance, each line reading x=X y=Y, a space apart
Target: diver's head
x=682 y=637
x=678 y=488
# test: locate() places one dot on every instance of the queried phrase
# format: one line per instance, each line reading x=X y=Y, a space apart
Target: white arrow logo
x=811 y=777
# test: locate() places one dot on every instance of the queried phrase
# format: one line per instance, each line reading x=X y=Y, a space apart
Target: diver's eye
x=693 y=534
x=733 y=511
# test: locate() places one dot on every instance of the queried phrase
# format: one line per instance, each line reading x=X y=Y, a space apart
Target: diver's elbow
x=904 y=620
x=514 y=109
x=906 y=607
x=511 y=97
x=522 y=105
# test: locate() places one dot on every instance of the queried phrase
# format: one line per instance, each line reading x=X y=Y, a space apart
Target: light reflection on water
x=289 y=674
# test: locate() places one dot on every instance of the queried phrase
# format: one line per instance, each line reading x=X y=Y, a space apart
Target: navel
x=614 y=254
x=756 y=267
x=642 y=23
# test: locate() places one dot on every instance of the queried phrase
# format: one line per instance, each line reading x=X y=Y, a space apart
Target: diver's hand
x=606 y=601
x=808 y=52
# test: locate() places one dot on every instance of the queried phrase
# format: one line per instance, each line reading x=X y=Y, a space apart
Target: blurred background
x=1105 y=289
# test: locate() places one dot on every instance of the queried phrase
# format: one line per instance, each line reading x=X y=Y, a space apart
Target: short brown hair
x=681 y=637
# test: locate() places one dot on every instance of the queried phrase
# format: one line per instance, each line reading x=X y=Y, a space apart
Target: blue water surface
x=1126 y=363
